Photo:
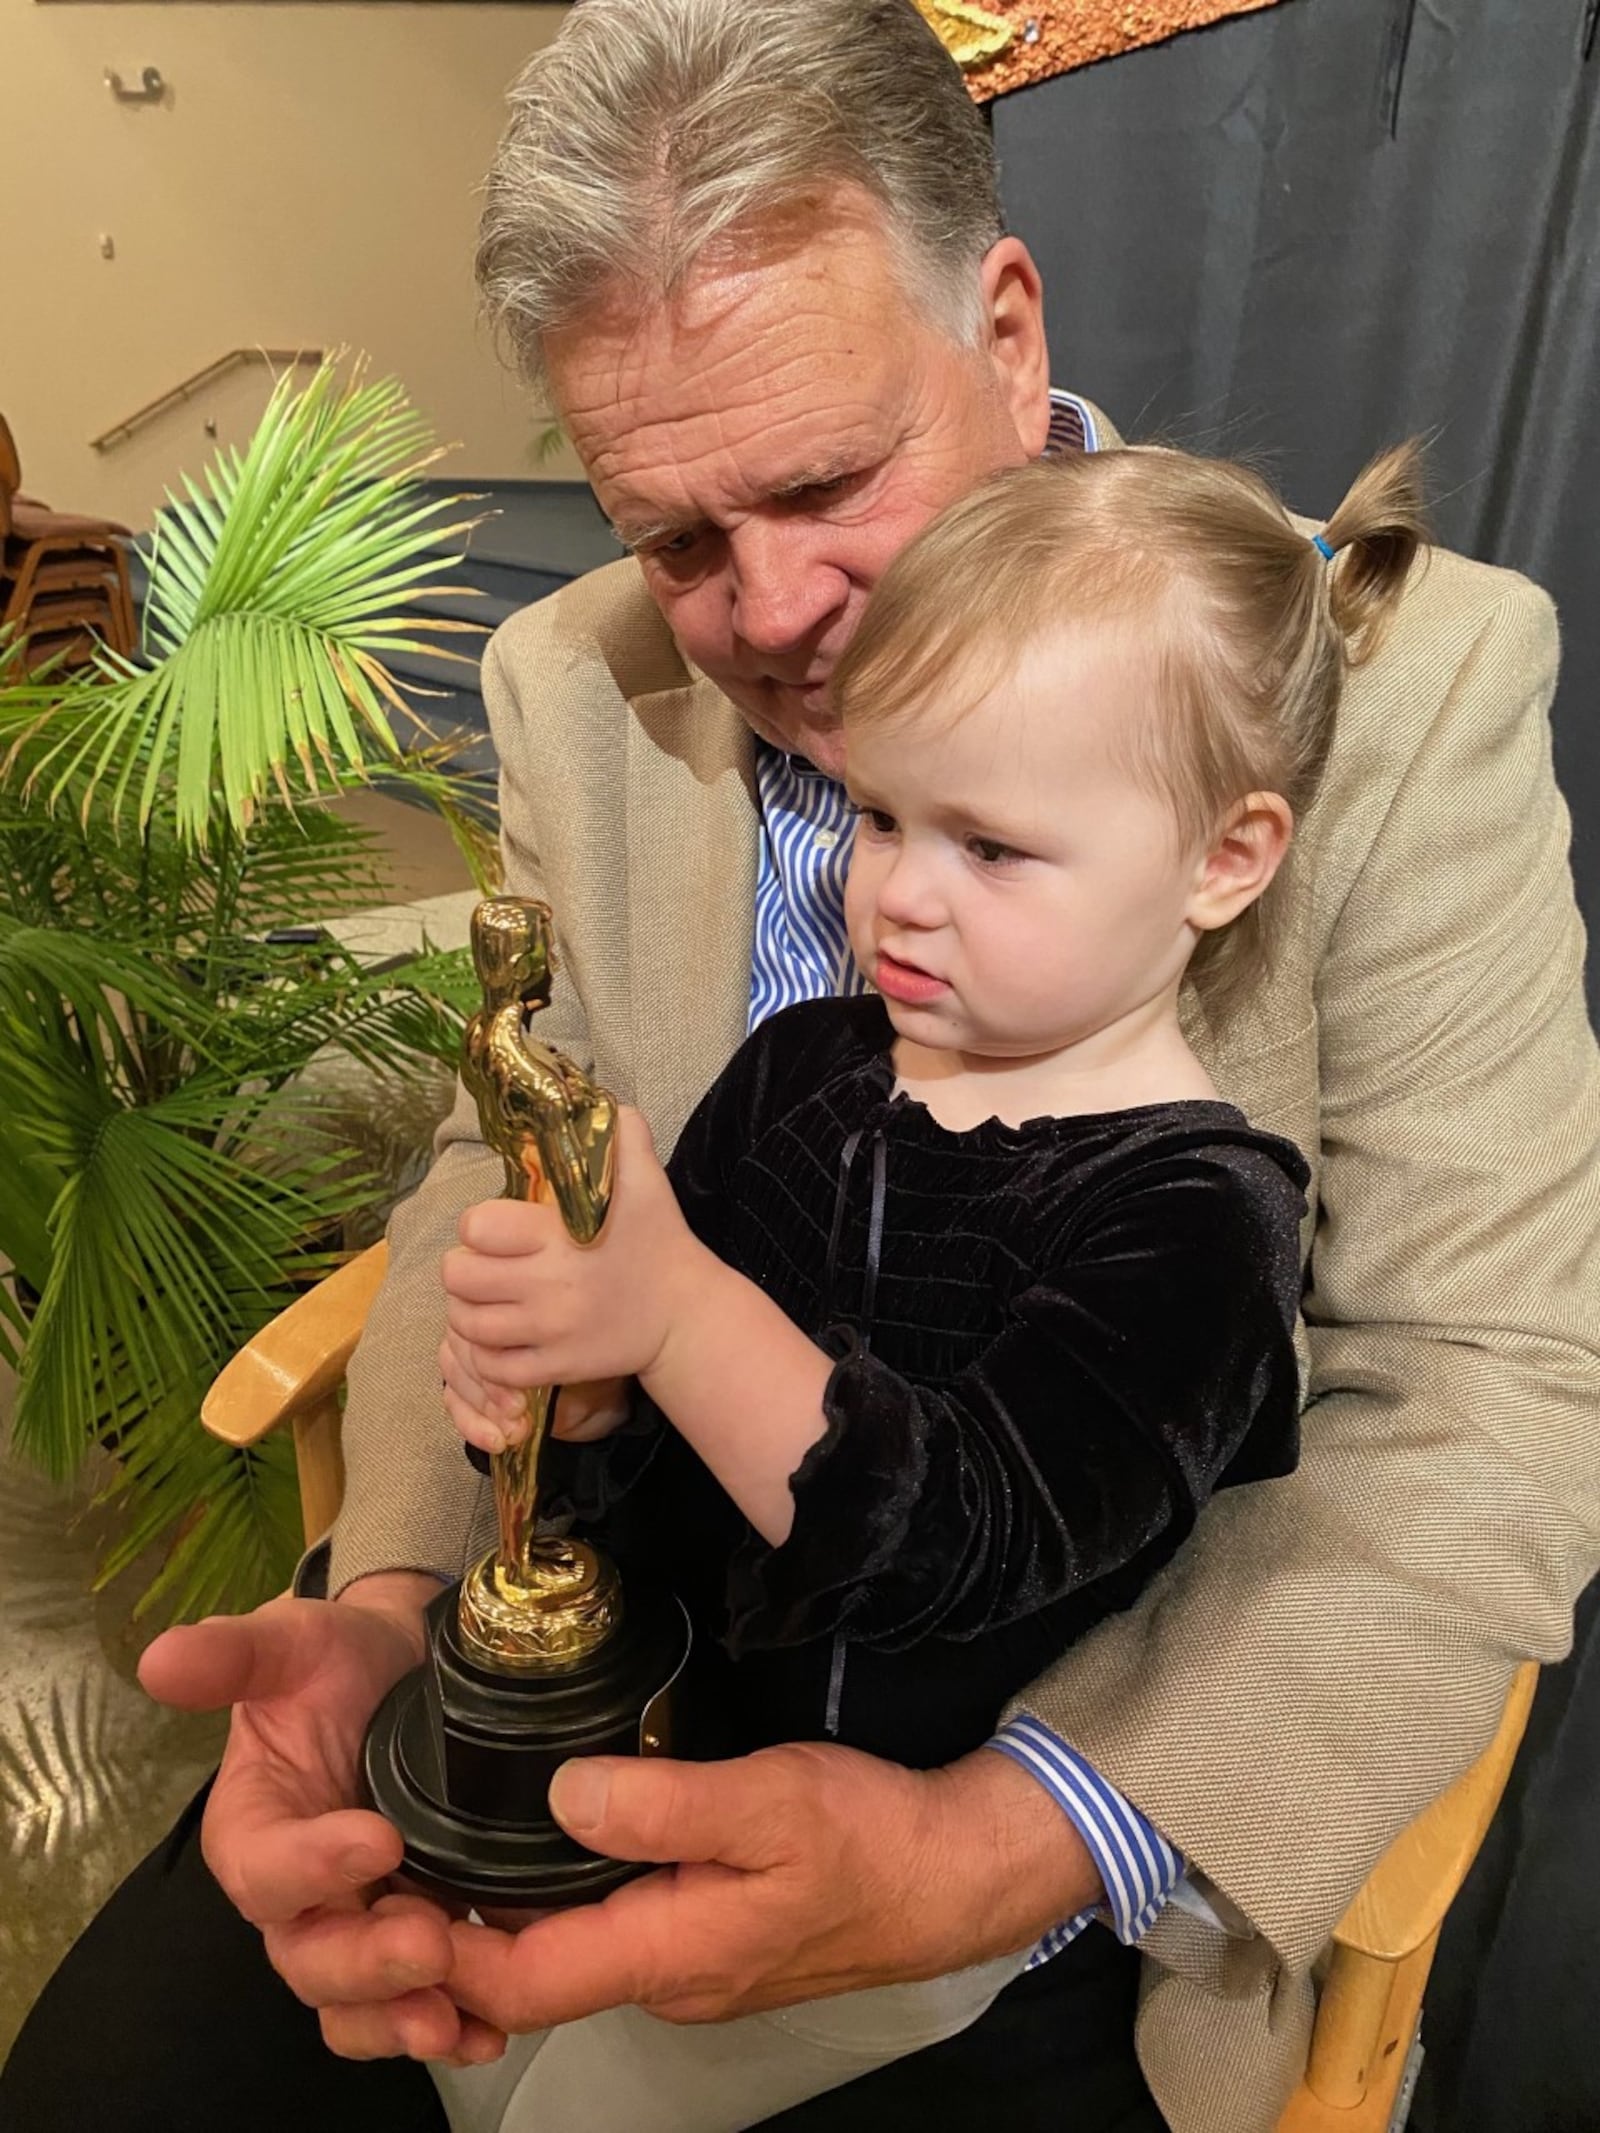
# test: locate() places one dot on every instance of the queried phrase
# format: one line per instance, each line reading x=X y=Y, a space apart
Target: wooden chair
x=64 y=580
x=1371 y=1998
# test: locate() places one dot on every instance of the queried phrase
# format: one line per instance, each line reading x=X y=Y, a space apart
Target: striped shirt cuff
x=1139 y=1867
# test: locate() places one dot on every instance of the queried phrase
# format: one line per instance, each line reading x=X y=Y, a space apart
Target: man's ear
x=1013 y=302
x=1243 y=857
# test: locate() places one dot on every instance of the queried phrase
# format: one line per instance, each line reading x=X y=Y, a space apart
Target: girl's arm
x=651 y=1298
x=1154 y=1361
x=742 y=1384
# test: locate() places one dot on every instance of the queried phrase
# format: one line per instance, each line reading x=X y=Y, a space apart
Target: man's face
x=770 y=440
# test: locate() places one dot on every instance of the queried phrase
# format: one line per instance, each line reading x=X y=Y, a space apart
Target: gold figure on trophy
x=532 y=1658
x=537 y=1604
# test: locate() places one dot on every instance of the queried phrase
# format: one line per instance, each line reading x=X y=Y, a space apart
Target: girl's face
x=1014 y=889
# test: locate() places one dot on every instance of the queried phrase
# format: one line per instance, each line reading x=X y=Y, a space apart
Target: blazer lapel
x=693 y=824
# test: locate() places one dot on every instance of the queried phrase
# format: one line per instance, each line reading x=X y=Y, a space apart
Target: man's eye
x=675 y=544
x=820 y=491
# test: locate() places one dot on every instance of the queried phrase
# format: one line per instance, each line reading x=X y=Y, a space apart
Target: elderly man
x=754 y=250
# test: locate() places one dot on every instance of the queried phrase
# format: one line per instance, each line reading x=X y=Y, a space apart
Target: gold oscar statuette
x=536 y=1604
x=532 y=1657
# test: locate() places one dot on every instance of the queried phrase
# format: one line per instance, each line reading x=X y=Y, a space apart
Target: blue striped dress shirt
x=801 y=952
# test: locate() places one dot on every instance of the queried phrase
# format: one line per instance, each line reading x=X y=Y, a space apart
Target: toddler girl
x=958 y=1300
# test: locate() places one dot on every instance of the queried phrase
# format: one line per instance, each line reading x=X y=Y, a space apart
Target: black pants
x=1509 y=2021
x=166 y=2017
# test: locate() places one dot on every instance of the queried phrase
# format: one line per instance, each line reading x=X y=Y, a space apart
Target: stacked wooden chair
x=64 y=584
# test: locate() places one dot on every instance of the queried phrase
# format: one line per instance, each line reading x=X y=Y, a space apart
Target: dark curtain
x=1303 y=235
x=1308 y=233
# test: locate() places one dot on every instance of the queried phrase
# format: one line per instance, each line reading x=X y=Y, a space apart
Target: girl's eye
x=991 y=852
x=880 y=824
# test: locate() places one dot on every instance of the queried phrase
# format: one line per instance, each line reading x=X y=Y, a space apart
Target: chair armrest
x=1404 y=1899
x=295 y=1364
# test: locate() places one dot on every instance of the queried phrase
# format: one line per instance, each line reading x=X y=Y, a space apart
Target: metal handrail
x=276 y=358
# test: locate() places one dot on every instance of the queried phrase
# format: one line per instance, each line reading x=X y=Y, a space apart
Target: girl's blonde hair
x=1251 y=627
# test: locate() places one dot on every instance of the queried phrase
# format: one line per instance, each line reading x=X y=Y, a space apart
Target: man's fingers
x=356 y=1958
x=423 y=2025
x=572 y=1964
x=479 y=2044
x=228 y=1659
x=655 y=1808
x=272 y=1864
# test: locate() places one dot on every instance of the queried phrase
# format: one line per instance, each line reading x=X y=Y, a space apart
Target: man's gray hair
x=651 y=129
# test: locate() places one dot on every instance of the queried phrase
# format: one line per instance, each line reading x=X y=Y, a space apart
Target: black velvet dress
x=1054 y=1341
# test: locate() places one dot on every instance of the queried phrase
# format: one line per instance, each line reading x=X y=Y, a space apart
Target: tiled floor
x=419 y=852
x=91 y=1772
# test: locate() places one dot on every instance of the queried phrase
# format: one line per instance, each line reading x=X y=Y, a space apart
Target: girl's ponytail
x=1374 y=535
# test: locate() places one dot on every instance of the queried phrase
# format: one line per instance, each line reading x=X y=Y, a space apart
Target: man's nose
x=783 y=596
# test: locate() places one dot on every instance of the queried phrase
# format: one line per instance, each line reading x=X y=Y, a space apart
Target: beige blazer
x=1330 y=1650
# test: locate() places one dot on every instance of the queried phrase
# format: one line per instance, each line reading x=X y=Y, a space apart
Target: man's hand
x=282 y=1833
x=808 y=1870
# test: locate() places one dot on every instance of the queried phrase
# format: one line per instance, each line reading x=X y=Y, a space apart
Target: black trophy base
x=460 y=1758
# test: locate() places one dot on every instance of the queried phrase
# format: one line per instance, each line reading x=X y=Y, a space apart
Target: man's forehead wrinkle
x=730 y=458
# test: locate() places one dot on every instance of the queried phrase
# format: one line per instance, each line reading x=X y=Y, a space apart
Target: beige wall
x=310 y=179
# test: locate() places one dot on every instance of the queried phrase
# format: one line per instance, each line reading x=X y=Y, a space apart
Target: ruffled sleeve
x=1124 y=1384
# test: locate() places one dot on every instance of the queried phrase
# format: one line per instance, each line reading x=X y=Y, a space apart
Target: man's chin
x=786 y=720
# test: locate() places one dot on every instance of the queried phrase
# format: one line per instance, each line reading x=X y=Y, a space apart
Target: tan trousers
x=625 y=2071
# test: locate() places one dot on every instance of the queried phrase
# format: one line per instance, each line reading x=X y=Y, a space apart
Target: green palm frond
x=187 y=1054
x=230 y=1516
x=46 y=972
x=429 y=775
x=307 y=866
x=289 y=1001
x=275 y=591
x=166 y=1249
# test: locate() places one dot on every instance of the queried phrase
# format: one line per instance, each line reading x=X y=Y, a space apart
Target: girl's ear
x=1245 y=854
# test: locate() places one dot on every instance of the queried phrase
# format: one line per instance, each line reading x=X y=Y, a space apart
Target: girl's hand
x=527 y=1306
x=485 y=1415
x=492 y=1418
x=585 y=1413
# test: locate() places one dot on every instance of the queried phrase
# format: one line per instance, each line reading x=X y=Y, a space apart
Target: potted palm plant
x=170 y=1174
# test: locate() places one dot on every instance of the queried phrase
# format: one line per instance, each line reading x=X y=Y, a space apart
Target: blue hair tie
x=1322 y=547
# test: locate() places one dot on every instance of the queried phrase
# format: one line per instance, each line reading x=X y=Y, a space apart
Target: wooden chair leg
x=320 y=1466
x=1367 y=2016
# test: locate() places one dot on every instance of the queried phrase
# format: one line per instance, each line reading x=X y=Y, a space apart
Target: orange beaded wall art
x=1009 y=43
